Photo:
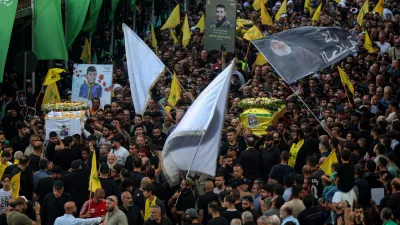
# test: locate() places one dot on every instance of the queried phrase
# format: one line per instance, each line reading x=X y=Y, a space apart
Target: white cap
x=290 y=2
x=117 y=86
x=284 y=15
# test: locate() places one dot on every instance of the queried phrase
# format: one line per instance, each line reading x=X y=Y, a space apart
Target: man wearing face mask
x=69 y=218
x=18 y=217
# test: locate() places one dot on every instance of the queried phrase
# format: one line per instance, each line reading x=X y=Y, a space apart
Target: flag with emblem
x=53 y=75
x=364 y=10
x=253 y=34
x=15 y=185
x=345 y=80
x=51 y=95
x=317 y=14
x=327 y=164
x=368 y=43
x=94 y=182
x=175 y=93
x=265 y=17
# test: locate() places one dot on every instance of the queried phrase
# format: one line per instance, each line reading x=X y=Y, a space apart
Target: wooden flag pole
x=248 y=49
x=347 y=94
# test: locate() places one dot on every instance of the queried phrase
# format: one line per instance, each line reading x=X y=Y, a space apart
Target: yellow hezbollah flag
x=186 y=32
x=53 y=75
x=260 y=60
x=368 y=43
x=201 y=24
x=257 y=4
x=379 y=7
x=282 y=10
x=293 y=152
x=175 y=93
x=326 y=165
x=172 y=33
x=153 y=37
x=253 y=34
x=86 y=53
x=15 y=185
x=265 y=17
x=51 y=95
x=94 y=182
x=317 y=14
x=173 y=19
x=364 y=10
x=345 y=80
x=307 y=5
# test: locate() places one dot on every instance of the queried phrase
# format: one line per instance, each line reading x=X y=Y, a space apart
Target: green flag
x=76 y=13
x=94 y=9
x=48 y=31
x=7 y=12
x=113 y=8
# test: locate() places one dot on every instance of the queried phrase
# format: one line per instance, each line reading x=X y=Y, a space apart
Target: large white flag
x=186 y=148
x=144 y=68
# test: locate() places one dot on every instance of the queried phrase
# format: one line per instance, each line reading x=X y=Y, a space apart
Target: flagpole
x=33 y=45
x=66 y=28
x=134 y=16
x=308 y=108
x=112 y=36
x=347 y=94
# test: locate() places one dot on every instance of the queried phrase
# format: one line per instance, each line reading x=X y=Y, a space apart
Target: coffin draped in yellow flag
x=173 y=19
x=327 y=164
x=15 y=185
x=175 y=93
x=94 y=182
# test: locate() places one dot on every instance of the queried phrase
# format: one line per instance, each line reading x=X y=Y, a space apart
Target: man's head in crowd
x=111 y=203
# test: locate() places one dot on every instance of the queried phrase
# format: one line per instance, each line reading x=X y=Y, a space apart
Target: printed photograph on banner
x=220 y=25
x=92 y=81
x=63 y=127
x=21 y=98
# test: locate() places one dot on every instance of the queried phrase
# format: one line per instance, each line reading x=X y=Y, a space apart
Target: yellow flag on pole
x=307 y=5
x=253 y=34
x=327 y=164
x=15 y=185
x=257 y=4
x=86 y=53
x=379 y=7
x=175 y=92
x=260 y=60
x=153 y=37
x=368 y=43
x=282 y=10
x=364 y=10
x=186 y=32
x=265 y=17
x=172 y=33
x=51 y=95
x=173 y=19
x=317 y=14
x=201 y=24
x=345 y=80
x=94 y=181
x=53 y=75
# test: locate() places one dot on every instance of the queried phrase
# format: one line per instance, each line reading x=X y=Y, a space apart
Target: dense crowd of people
x=270 y=179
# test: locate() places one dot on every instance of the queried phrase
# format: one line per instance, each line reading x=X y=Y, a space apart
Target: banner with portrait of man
x=92 y=81
x=220 y=25
x=302 y=51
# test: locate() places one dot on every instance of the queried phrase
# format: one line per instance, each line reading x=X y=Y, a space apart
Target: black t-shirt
x=316 y=181
x=394 y=202
x=230 y=215
x=278 y=172
x=224 y=172
x=203 y=202
x=364 y=193
x=44 y=187
x=373 y=182
x=109 y=186
x=311 y=216
x=218 y=221
x=186 y=201
x=139 y=199
x=34 y=162
x=136 y=178
x=51 y=151
x=346 y=177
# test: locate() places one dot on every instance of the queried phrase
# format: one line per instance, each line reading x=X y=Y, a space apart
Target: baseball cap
x=58 y=185
x=192 y=213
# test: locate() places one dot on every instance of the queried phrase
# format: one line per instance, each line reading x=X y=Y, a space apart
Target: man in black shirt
x=364 y=193
x=206 y=199
x=250 y=160
x=110 y=188
x=26 y=180
x=45 y=185
x=226 y=169
x=53 y=204
x=21 y=141
x=131 y=211
x=77 y=183
x=64 y=157
x=186 y=199
x=231 y=212
x=278 y=172
x=213 y=210
x=136 y=175
x=345 y=175
x=310 y=215
x=270 y=156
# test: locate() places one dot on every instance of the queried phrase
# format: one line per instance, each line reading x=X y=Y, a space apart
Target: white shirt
x=4 y=197
x=384 y=47
x=350 y=197
x=69 y=219
x=121 y=154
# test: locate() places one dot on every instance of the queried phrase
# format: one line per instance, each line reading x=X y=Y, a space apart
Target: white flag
x=144 y=69
x=185 y=149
